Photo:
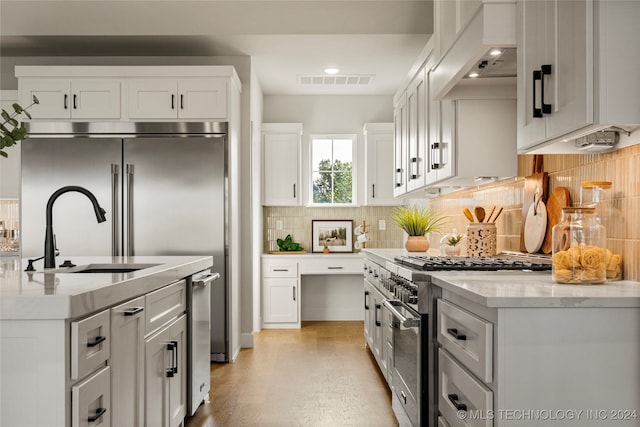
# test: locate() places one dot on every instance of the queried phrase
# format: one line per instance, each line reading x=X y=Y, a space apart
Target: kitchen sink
x=102 y=268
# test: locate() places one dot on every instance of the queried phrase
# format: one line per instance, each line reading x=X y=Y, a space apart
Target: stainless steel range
x=404 y=293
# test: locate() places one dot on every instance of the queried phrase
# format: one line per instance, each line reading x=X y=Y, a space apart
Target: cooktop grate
x=427 y=263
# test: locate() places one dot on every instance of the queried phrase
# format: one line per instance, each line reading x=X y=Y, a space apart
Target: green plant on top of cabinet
x=281 y=151
x=379 y=166
x=576 y=73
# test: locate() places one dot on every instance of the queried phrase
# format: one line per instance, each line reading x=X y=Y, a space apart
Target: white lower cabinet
x=91 y=401
x=127 y=363
x=536 y=366
x=165 y=383
x=280 y=300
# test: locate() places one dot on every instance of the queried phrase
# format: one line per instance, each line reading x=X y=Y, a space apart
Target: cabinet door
x=127 y=363
x=280 y=300
x=569 y=88
x=95 y=99
x=281 y=153
x=53 y=94
x=378 y=346
x=379 y=168
x=202 y=98
x=443 y=147
x=153 y=98
x=91 y=401
x=400 y=121
x=368 y=298
x=165 y=381
x=416 y=121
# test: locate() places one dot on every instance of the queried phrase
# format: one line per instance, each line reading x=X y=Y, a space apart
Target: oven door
x=407 y=383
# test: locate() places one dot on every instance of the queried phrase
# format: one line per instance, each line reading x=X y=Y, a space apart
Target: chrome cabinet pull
x=334 y=268
x=205 y=279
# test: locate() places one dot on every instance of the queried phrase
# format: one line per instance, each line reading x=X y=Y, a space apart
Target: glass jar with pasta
x=579 y=248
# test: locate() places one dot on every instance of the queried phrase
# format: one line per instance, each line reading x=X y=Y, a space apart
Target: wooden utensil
x=558 y=199
x=468 y=214
x=490 y=213
x=479 y=211
x=497 y=215
x=536 y=224
x=537 y=179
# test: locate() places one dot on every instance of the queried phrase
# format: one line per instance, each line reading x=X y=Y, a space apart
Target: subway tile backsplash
x=623 y=229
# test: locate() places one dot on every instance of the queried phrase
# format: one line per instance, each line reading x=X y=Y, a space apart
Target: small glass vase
x=417 y=244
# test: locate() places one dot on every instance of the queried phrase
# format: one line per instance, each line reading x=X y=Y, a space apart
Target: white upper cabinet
x=577 y=70
x=128 y=93
x=178 y=98
x=77 y=98
x=282 y=161
x=379 y=164
x=473 y=141
x=400 y=136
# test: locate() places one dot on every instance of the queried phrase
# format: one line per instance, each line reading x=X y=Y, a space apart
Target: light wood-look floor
x=319 y=375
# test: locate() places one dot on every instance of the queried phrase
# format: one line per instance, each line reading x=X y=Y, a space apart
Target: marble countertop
x=524 y=289
x=65 y=295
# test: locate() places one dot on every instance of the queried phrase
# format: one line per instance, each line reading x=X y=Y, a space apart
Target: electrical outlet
x=382 y=224
x=279 y=224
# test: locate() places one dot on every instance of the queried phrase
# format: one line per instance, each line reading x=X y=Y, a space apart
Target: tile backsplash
x=620 y=167
x=623 y=228
x=297 y=222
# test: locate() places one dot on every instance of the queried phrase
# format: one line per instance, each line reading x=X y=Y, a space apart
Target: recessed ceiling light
x=331 y=70
x=472 y=75
x=495 y=52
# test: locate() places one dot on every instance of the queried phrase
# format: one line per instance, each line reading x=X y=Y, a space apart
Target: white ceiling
x=286 y=39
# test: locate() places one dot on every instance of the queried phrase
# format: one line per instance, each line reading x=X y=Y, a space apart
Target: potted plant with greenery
x=452 y=241
x=12 y=131
x=417 y=221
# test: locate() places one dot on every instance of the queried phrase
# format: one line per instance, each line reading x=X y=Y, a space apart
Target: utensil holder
x=481 y=239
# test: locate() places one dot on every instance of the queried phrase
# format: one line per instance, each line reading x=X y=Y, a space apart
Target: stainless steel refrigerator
x=163 y=185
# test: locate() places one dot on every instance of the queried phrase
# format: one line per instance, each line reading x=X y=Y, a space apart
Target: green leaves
x=334 y=182
x=12 y=131
x=417 y=221
x=288 y=245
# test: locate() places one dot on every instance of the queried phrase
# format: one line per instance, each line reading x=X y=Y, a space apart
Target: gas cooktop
x=436 y=263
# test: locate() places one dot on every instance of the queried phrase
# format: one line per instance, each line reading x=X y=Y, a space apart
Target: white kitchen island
x=93 y=348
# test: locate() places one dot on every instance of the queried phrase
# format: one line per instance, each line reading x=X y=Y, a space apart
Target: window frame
x=354 y=170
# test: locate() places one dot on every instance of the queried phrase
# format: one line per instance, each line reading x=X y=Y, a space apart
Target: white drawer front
x=462 y=400
x=280 y=268
x=331 y=265
x=90 y=344
x=91 y=401
x=164 y=305
x=468 y=337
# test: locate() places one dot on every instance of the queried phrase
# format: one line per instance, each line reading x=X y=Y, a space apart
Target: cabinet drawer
x=460 y=391
x=279 y=268
x=91 y=401
x=468 y=337
x=332 y=266
x=90 y=344
x=164 y=305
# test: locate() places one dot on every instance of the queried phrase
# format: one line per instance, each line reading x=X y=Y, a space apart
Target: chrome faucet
x=49 y=237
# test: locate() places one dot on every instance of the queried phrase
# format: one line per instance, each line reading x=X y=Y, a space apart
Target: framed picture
x=337 y=235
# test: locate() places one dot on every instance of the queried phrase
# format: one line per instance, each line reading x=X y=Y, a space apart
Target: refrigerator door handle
x=115 y=209
x=130 y=172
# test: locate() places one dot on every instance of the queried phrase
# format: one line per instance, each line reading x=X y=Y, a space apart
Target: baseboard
x=246 y=340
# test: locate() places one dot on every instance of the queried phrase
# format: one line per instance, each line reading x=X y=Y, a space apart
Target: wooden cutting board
x=558 y=199
x=535 y=227
x=531 y=183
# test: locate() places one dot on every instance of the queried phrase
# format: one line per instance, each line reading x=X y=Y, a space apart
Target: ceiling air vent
x=336 y=80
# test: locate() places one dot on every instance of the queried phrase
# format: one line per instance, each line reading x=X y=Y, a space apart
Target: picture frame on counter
x=336 y=234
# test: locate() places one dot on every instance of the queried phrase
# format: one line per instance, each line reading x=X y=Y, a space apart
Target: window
x=332 y=169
